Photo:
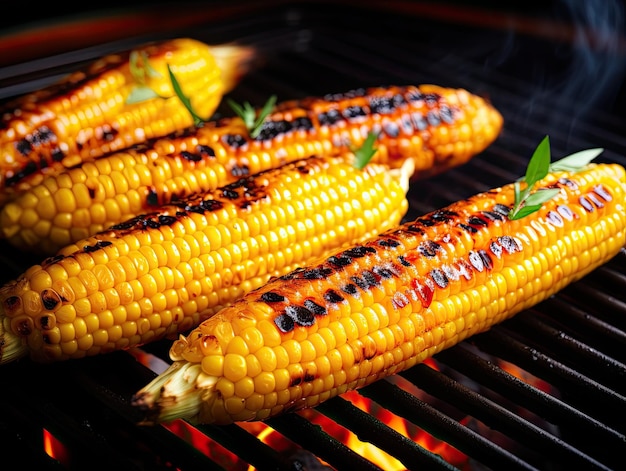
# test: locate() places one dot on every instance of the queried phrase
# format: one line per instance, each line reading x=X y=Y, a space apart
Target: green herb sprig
x=528 y=201
x=248 y=114
x=183 y=98
x=364 y=154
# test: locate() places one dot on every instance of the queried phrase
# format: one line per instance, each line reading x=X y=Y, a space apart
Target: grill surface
x=565 y=405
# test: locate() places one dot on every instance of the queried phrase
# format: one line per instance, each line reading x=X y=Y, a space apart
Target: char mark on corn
x=386 y=304
x=436 y=127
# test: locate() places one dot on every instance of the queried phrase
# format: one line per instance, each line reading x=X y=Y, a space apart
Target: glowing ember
x=55 y=449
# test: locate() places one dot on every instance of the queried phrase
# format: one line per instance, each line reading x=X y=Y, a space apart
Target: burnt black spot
x=314 y=307
x=332 y=296
x=470 y=229
x=431 y=99
x=350 y=289
x=329 y=118
x=416 y=227
x=476 y=261
x=57 y=155
x=359 y=251
x=366 y=280
x=272 y=129
x=496 y=249
x=391 y=129
x=433 y=118
x=492 y=215
x=152 y=199
x=12 y=303
x=318 y=273
x=510 y=244
x=586 y=204
x=443 y=215
x=300 y=315
x=339 y=261
x=566 y=212
x=404 y=261
x=414 y=95
x=406 y=125
x=308 y=377
x=486 y=258
x=211 y=205
x=165 y=220
x=234 y=141
x=381 y=105
x=239 y=171
x=439 y=277
x=476 y=221
x=352 y=112
x=602 y=193
x=388 y=243
x=383 y=272
x=429 y=248
x=205 y=151
x=271 y=297
x=24 y=147
x=50 y=299
x=419 y=122
x=44 y=322
x=336 y=97
x=446 y=114
x=97 y=246
x=303 y=123
x=501 y=209
x=554 y=218
x=190 y=157
x=230 y=194
x=284 y=323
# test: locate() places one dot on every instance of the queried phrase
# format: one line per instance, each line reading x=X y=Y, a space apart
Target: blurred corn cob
x=379 y=307
x=91 y=112
x=437 y=127
x=162 y=273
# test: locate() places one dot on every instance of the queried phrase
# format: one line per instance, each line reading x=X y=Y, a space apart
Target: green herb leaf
x=527 y=201
x=139 y=94
x=183 y=98
x=577 y=161
x=364 y=154
x=539 y=164
x=248 y=114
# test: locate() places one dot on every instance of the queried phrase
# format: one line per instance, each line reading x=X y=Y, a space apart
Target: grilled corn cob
x=162 y=273
x=88 y=114
x=380 y=307
x=437 y=127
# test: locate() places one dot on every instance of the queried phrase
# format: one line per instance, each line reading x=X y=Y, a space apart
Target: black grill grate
x=566 y=403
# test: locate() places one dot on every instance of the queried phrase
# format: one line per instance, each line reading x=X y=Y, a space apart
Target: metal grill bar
x=443 y=426
x=495 y=416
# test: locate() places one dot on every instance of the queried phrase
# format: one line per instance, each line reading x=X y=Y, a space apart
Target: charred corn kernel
x=356 y=344
x=405 y=118
x=162 y=273
x=88 y=113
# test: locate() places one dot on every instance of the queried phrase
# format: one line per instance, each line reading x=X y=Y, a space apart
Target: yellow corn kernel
x=379 y=336
x=163 y=273
x=220 y=152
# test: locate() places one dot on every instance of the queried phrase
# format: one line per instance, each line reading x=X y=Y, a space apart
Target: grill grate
x=544 y=390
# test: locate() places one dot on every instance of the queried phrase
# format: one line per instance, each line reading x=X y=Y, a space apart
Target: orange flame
x=55 y=449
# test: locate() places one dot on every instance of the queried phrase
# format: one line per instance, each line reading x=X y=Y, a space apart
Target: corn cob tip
x=234 y=61
x=11 y=346
x=172 y=395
